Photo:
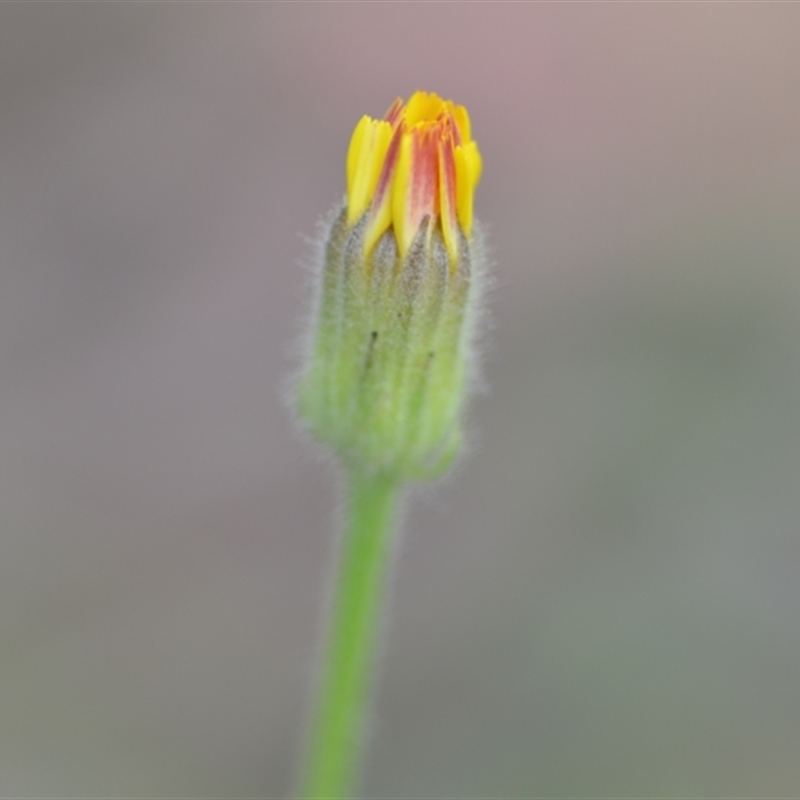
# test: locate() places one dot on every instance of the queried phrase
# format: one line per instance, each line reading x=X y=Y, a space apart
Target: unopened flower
x=390 y=358
x=420 y=161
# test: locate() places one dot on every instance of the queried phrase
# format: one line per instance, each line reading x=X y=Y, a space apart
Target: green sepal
x=386 y=376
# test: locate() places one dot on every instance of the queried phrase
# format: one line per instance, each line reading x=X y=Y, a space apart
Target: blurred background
x=602 y=601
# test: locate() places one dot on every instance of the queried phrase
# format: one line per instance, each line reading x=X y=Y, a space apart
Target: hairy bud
x=388 y=368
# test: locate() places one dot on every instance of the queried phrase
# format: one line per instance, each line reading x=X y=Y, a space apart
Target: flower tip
x=419 y=161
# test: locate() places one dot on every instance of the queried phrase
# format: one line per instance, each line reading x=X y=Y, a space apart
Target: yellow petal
x=419 y=161
x=468 y=173
x=401 y=217
x=461 y=117
x=365 y=158
x=380 y=216
x=423 y=107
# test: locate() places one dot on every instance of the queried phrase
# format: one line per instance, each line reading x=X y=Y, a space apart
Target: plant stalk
x=336 y=736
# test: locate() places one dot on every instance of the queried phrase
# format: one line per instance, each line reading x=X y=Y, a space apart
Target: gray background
x=604 y=598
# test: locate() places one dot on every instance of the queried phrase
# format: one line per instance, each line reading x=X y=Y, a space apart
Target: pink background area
x=602 y=601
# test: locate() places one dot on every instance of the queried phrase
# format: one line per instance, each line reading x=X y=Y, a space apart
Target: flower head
x=387 y=375
x=419 y=161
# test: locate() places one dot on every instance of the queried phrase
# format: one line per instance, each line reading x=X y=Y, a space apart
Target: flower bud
x=389 y=362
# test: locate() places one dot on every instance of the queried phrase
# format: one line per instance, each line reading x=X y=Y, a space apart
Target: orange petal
x=415 y=191
x=447 y=192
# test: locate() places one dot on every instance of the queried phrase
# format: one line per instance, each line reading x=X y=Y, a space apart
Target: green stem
x=335 y=738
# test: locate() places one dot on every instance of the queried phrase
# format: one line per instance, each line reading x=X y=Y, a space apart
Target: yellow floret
x=365 y=157
x=398 y=205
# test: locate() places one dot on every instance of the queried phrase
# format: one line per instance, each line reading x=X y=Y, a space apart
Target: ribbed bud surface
x=386 y=376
